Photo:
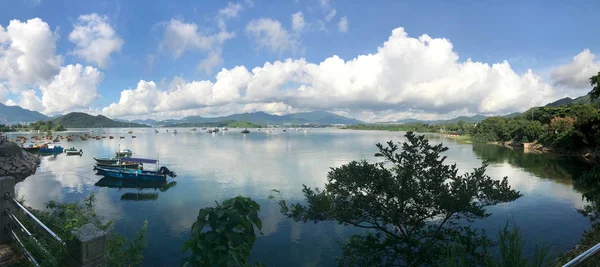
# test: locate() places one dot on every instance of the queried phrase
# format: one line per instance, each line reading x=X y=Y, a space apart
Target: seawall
x=16 y=162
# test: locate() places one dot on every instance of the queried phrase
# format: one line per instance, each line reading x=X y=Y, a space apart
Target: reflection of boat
x=245 y=131
x=51 y=149
x=73 y=151
x=139 y=174
x=139 y=196
x=137 y=184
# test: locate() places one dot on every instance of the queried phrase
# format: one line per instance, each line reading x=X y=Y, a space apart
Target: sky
x=371 y=60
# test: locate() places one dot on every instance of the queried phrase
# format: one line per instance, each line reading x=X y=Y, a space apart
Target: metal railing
x=583 y=257
x=19 y=226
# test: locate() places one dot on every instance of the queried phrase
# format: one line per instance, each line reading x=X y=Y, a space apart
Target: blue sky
x=539 y=35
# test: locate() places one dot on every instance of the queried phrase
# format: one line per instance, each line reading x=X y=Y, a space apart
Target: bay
x=214 y=167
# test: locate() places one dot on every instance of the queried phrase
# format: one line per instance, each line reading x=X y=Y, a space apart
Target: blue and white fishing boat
x=50 y=148
x=139 y=174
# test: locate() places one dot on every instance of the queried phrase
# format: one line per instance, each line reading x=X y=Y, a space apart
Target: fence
x=87 y=248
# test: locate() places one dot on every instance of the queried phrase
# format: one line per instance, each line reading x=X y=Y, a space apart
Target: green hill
x=83 y=120
x=261 y=118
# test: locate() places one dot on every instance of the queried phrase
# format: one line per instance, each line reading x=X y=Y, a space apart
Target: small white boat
x=124 y=153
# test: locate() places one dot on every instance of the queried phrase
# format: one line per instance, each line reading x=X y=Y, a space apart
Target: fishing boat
x=245 y=131
x=30 y=147
x=116 y=163
x=215 y=130
x=225 y=129
x=209 y=131
x=204 y=129
x=283 y=130
x=139 y=174
x=194 y=129
x=50 y=148
x=124 y=153
x=175 y=131
x=72 y=151
x=155 y=131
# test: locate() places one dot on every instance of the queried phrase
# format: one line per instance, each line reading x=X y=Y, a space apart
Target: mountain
x=84 y=120
x=261 y=118
x=16 y=114
x=473 y=119
x=146 y=121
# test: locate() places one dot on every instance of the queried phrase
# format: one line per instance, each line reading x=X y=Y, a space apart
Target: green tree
x=414 y=205
x=595 y=83
x=231 y=235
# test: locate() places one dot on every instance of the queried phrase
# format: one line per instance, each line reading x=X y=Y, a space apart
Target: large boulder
x=16 y=162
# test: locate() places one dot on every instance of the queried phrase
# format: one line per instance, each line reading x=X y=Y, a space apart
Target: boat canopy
x=140 y=160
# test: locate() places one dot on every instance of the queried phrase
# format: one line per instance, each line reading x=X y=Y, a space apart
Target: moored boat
x=215 y=130
x=51 y=149
x=116 y=163
x=124 y=153
x=194 y=129
x=139 y=174
x=245 y=131
x=73 y=151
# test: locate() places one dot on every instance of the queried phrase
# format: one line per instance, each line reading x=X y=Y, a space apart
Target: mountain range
x=262 y=118
x=16 y=114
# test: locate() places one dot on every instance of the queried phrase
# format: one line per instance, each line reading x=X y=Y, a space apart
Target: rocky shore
x=16 y=162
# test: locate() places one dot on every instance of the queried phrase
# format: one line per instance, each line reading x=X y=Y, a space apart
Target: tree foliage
x=595 y=83
x=231 y=235
x=414 y=205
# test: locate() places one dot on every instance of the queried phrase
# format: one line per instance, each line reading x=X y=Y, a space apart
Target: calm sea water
x=219 y=166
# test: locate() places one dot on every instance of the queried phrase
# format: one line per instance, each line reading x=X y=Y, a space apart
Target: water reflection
x=141 y=187
x=214 y=167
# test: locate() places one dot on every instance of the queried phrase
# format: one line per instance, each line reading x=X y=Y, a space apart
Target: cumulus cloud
x=298 y=22
x=576 y=74
x=330 y=15
x=31 y=70
x=95 y=39
x=73 y=87
x=271 y=35
x=27 y=53
x=343 y=24
x=407 y=75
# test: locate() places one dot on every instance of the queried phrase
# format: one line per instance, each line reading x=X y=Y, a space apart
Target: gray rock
x=18 y=163
x=7 y=167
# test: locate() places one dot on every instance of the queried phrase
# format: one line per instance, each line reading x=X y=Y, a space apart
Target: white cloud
x=74 y=87
x=95 y=39
x=180 y=37
x=231 y=11
x=298 y=22
x=3 y=93
x=249 y=3
x=214 y=59
x=269 y=34
x=577 y=73
x=27 y=53
x=419 y=76
x=330 y=15
x=343 y=24
x=324 y=3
